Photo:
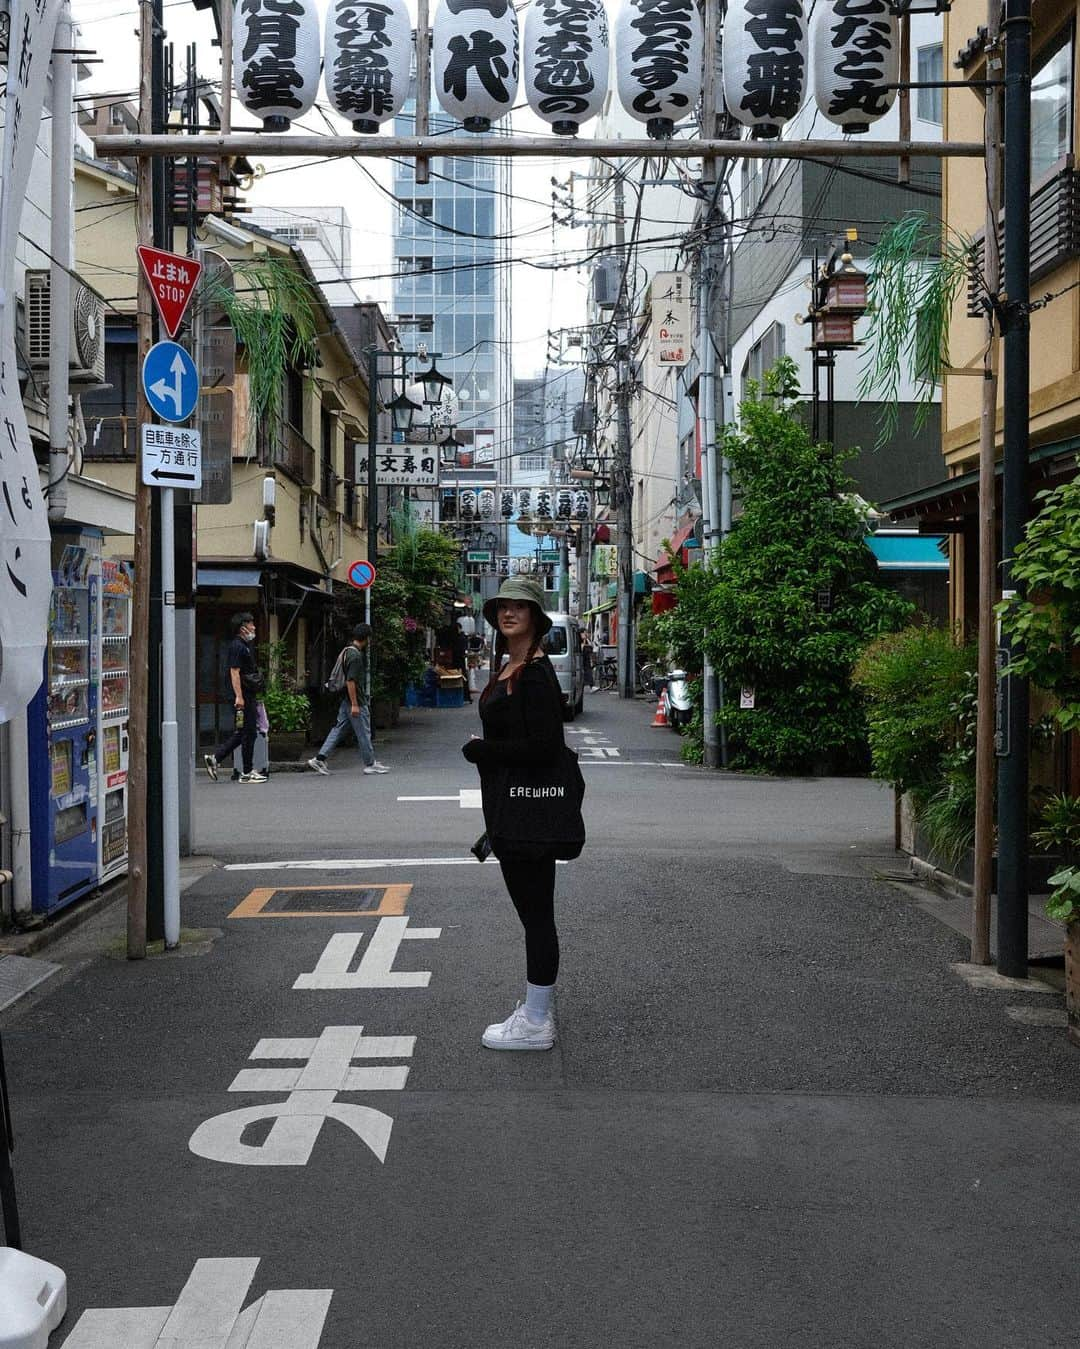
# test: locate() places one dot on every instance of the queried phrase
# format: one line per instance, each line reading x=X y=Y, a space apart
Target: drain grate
x=338 y=900
x=19 y=974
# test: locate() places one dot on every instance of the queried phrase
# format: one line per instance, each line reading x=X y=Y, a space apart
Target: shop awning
x=229 y=578
x=908 y=552
x=678 y=542
x=600 y=608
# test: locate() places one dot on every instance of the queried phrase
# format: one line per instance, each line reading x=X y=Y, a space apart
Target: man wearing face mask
x=244 y=684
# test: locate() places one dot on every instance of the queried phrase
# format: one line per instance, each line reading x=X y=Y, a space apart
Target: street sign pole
x=170 y=758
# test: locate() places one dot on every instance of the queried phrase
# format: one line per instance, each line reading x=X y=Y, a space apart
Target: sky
x=108 y=31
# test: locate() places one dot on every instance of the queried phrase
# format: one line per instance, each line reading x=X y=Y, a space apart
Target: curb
x=26 y=942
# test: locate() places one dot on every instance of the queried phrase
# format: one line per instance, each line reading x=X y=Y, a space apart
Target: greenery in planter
x=1059 y=828
x=649 y=640
x=287 y=707
x=791 y=596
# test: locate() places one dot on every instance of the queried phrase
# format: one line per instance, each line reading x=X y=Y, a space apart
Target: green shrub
x=790 y=598
x=913 y=681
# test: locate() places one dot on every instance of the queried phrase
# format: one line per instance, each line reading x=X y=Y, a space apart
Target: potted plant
x=1059 y=829
x=287 y=707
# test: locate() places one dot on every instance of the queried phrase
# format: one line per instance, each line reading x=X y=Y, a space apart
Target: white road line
x=358 y=863
x=468 y=798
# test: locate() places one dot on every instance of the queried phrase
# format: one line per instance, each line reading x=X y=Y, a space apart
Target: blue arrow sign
x=170 y=382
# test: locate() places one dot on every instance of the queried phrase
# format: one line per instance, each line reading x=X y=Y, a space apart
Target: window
x=1051 y=108
x=764 y=354
x=326 y=484
x=930 y=68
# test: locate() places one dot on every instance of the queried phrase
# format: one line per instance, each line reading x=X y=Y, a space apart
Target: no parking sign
x=361 y=574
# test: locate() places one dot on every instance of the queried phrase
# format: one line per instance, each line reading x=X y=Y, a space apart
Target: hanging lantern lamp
x=368 y=46
x=565 y=61
x=474 y=53
x=765 y=49
x=856 y=50
x=276 y=59
x=659 y=46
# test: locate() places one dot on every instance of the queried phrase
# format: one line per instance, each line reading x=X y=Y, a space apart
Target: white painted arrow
x=173 y=391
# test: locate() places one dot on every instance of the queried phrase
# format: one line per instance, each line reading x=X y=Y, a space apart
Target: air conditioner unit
x=86 y=364
x=606 y=282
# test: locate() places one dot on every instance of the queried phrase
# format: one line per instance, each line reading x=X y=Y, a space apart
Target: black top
x=240 y=657
x=525 y=726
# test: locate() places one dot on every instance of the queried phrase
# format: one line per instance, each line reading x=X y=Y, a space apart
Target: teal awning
x=908 y=552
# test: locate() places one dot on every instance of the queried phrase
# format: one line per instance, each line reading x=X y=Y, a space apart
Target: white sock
x=538 y=1000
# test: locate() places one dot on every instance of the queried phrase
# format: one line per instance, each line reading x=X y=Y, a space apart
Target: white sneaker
x=211 y=767
x=319 y=766
x=376 y=767
x=518 y=1032
x=252 y=777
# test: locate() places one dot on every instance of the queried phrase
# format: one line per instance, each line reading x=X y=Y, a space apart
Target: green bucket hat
x=520 y=588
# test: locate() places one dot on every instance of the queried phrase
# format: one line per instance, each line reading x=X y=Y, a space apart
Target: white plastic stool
x=33 y=1300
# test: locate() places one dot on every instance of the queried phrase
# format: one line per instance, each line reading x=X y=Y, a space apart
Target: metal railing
x=280 y=445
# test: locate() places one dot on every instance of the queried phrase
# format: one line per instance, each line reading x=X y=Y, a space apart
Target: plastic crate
x=450 y=698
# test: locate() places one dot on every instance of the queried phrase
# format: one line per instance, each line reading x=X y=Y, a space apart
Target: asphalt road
x=775 y=1115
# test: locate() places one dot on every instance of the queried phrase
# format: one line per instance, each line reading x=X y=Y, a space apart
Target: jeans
x=361 y=725
x=243 y=737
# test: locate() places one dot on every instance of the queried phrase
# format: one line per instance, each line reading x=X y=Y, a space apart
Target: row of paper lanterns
x=659 y=48
x=538 y=504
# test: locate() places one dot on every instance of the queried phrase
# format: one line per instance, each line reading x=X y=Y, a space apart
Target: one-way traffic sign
x=171 y=457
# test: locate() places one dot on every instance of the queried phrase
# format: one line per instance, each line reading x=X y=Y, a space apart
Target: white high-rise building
x=324 y=236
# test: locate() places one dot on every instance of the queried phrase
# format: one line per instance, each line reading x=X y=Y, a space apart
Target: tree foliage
x=791 y=597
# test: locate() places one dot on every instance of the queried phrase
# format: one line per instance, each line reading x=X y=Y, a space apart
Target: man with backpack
x=348 y=678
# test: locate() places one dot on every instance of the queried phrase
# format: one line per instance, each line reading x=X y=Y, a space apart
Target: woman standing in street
x=521 y=712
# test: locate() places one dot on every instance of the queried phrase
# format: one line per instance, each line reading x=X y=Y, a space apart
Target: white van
x=563 y=646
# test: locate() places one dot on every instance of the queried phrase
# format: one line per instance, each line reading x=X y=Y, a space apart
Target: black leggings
x=532 y=888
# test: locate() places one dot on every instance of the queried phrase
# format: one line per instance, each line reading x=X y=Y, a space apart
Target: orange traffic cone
x=660 y=719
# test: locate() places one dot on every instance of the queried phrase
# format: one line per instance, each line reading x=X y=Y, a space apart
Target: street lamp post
x=402 y=410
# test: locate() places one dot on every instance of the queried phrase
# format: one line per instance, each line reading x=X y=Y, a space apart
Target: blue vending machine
x=62 y=728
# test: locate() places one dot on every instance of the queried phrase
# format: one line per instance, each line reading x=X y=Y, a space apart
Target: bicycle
x=607 y=674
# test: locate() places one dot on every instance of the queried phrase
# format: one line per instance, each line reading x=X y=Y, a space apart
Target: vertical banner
x=25 y=574
x=671 y=318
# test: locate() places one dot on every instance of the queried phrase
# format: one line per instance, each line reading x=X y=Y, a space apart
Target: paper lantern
x=506 y=503
x=765 y=47
x=658 y=52
x=467 y=505
x=368 y=47
x=564 y=505
x=582 y=505
x=566 y=61
x=543 y=505
x=276 y=59
x=487 y=504
x=856 y=50
x=524 y=502
x=474 y=53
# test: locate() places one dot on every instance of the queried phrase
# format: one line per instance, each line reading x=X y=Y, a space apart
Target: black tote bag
x=532 y=809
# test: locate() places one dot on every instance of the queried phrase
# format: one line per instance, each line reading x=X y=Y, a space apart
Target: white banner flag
x=25 y=573
x=671 y=318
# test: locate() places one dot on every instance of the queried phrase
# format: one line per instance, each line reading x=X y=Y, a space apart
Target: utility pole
x=707 y=400
x=987 y=686
x=623 y=480
x=1012 y=923
x=140 y=602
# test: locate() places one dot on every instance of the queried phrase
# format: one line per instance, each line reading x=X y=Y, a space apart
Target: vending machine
x=111 y=608
x=62 y=730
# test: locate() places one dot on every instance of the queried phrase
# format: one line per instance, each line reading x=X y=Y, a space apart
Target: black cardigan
x=524 y=726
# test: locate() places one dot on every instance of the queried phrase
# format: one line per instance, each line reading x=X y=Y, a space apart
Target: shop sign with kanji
x=407 y=466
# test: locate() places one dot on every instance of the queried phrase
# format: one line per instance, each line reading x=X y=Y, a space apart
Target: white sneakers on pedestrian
x=376 y=767
x=319 y=766
x=253 y=777
x=519 y=1032
x=211 y=767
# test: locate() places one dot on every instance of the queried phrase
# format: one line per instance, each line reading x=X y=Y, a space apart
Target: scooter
x=680 y=708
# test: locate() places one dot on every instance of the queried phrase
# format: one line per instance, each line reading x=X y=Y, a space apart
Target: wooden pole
x=985 y=764
x=140 y=603
x=254 y=145
x=226 y=67
x=423 y=85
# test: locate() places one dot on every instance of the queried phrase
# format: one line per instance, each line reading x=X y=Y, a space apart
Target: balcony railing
x=1055 y=231
x=280 y=445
